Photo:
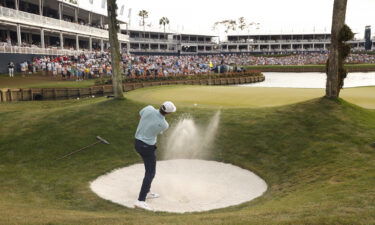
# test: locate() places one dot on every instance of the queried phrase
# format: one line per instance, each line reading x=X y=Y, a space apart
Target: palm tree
x=227 y=24
x=164 y=21
x=242 y=23
x=338 y=50
x=144 y=15
x=115 y=49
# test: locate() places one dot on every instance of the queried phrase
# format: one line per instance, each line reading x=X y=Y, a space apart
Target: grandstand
x=71 y=27
x=53 y=27
x=156 y=42
x=283 y=43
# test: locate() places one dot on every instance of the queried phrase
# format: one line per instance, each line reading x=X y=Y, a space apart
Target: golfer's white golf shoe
x=143 y=205
x=151 y=195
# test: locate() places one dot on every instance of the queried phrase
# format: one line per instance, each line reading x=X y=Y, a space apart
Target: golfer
x=152 y=122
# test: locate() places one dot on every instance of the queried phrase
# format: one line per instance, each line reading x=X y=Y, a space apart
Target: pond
x=312 y=80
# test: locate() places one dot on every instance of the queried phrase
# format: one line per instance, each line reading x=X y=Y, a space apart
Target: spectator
x=11 y=69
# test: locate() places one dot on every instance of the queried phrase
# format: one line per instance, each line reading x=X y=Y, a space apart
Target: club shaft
x=78 y=150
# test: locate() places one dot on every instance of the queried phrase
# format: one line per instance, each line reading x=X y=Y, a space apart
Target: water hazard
x=312 y=80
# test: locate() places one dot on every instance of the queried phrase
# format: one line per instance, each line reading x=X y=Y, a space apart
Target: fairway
x=244 y=97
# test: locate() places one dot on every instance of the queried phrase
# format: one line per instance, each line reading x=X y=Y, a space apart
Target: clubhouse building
x=70 y=27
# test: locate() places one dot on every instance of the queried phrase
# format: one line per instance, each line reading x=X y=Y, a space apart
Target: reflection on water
x=312 y=80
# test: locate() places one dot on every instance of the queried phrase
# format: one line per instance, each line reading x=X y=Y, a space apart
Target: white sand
x=184 y=185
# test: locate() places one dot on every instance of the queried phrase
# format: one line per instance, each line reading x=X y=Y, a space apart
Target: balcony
x=149 y=40
x=24 y=18
x=40 y=51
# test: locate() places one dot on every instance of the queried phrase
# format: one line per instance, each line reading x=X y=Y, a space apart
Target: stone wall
x=30 y=94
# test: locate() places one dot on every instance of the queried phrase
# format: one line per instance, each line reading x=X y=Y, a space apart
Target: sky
x=274 y=16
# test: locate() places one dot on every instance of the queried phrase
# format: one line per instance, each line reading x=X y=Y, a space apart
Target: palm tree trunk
x=115 y=50
x=338 y=21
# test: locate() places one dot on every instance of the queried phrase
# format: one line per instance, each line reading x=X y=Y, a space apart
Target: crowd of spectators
x=80 y=67
x=171 y=65
x=98 y=64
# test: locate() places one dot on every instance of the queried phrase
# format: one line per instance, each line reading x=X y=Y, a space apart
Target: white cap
x=168 y=107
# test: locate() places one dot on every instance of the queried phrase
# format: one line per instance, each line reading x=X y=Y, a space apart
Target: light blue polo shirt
x=150 y=125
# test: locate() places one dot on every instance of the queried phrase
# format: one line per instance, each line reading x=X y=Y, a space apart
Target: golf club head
x=102 y=140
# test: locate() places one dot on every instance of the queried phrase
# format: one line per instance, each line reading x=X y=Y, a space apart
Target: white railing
x=15 y=16
x=197 y=42
x=274 y=50
x=40 y=51
x=150 y=40
x=152 y=50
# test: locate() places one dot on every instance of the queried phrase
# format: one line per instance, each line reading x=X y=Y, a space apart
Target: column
x=128 y=47
x=76 y=15
x=90 y=17
x=101 y=21
x=17 y=2
x=77 y=42
x=60 y=11
x=19 y=42
x=61 y=40
x=90 y=43
x=40 y=8
x=159 y=47
x=101 y=45
x=42 y=44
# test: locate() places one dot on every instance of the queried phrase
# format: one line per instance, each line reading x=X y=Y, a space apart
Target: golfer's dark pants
x=148 y=154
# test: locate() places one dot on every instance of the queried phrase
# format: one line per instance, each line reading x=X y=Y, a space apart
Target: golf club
x=100 y=140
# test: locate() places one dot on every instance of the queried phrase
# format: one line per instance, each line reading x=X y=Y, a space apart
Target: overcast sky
x=274 y=16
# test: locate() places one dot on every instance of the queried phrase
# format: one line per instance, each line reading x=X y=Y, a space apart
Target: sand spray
x=188 y=140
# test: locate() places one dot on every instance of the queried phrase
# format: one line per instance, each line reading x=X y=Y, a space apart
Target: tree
x=115 y=49
x=144 y=15
x=164 y=21
x=339 y=50
x=228 y=25
x=242 y=25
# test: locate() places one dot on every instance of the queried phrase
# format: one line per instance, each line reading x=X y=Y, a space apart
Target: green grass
x=244 y=97
x=314 y=155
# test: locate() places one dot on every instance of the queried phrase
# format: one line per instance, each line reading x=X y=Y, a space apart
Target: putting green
x=243 y=97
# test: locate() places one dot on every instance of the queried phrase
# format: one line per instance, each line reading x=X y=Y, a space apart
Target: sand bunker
x=184 y=185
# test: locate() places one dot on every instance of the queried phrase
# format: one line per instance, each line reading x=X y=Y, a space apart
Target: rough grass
x=315 y=157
